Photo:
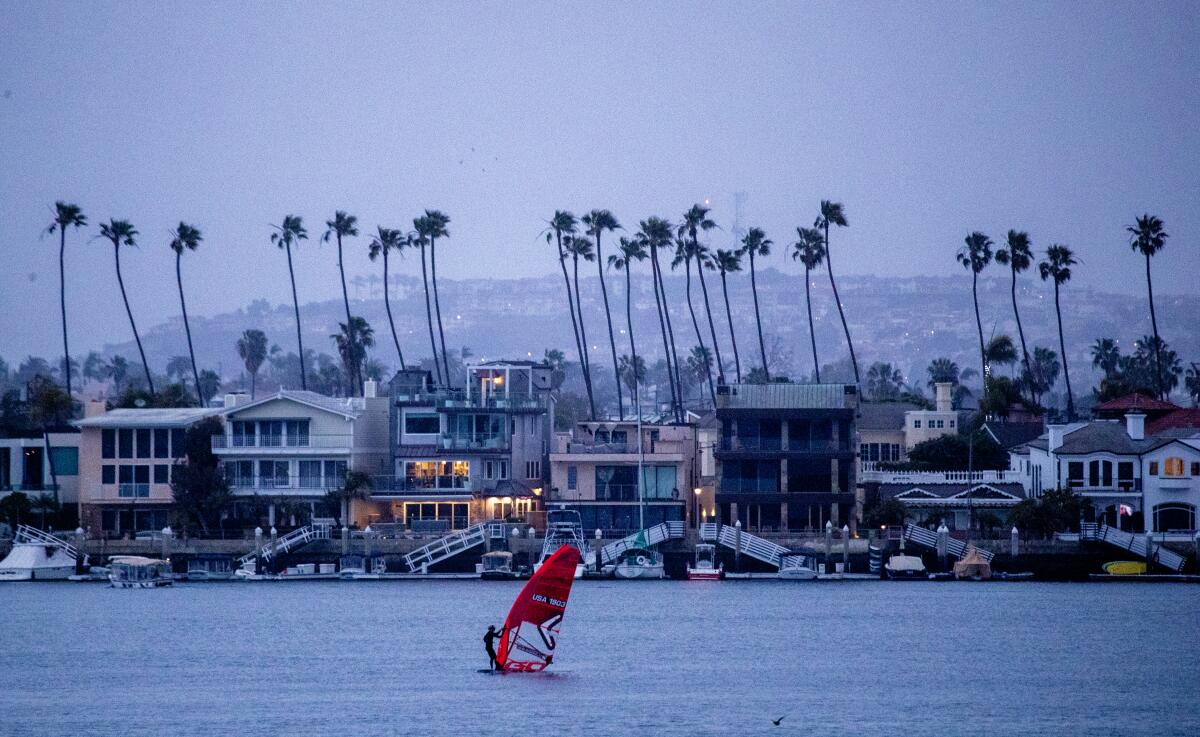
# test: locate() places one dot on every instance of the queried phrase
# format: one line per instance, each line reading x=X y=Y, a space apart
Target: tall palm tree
x=580 y=247
x=727 y=262
x=975 y=255
x=1017 y=254
x=695 y=220
x=1148 y=238
x=252 y=348
x=754 y=244
x=810 y=251
x=352 y=341
x=1057 y=266
x=287 y=234
x=1106 y=356
x=343 y=224
x=66 y=216
x=387 y=240
x=657 y=234
x=421 y=227
x=683 y=256
x=187 y=238
x=435 y=224
x=596 y=222
x=562 y=228
x=631 y=250
x=942 y=371
x=122 y=233
x=833 y=213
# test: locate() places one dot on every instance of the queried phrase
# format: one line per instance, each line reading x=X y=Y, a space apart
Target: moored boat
x=37 y=556
x=497 y=565
x=563 y=527
x=797 y=568
x=210 y=568
x=706 y=567
x=639 y=563
x=137 y=572
x=905 y=568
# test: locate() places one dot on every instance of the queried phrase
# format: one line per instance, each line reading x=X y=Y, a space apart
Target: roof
x=512 y=487
x=1134 y=401
x=1101 y=436
x=884 y=415
x=1180 y=418
x=784 y=396
x=150 y=417
x=336 y=405
x=979 y=491
x=1011 y=434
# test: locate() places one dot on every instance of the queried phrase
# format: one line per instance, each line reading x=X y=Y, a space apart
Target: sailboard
x=531 y=629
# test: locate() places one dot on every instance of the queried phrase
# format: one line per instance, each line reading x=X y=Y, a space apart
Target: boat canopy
x=906 y=563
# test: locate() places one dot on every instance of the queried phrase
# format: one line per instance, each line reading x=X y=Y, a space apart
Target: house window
x=1173 y=467
x=896 y=450
x=533 y=469
x=297 y=433
x=108 y=443
x=1100 y=473
x=572 y=477
x=917 y=424
x=243 y=434
x=270 y=433
x=162 y=438
x=951 y=423
x=1195 y=468
x=65 y=461
x=240 y=473
x=161 y=473
x=421 y=423
x=1153 y=468
x=1174 y=516
x=125 y=443
x=143 y=443
x=310 y=474
x=108 y=474
x=178 y=443
x=495 y=470
x=335 y=473
x=273 y=474
x=1125 y=475
x=1075 y=473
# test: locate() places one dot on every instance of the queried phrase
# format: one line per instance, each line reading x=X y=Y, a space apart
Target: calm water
x=636 y=658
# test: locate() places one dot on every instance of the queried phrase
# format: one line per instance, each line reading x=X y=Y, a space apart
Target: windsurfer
x=489 y=639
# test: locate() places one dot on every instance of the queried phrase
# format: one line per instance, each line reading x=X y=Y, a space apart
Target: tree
x=1056 y=510
x=810 y=251
x=631 y=250
x=656 y=233
x=633 y=373
x=94 y=367
x=942 y=371
x=15 y=506
x=1044 y=374
x=421 y=227
x=342 y=225
x=1106 y=356
x=287 y=234
x=754 y=244
x=352 y=341
x=1057 y=266
x=885 y=512
x=210 y=383
x=695 y=220
x=357 y=485
x=975 y=255
x=683 y=256
x=252 y=348
x=727 y=262
x=122 y=232
x=49 y=406
x=562 y=228
x=699 y=365
x=578 y=247
x=431 y=227
x=199 y=488
x=1192 y=383
x=1000 y=349
x=832 y=213
x=385 y=241
x=187 y=238
x=66 y=216
x=1148 y=238
x=958 y=453
x=596 y=222
x=1018 y=256
x=883 y=381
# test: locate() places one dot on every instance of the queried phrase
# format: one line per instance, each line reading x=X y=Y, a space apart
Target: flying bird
x=777 y=721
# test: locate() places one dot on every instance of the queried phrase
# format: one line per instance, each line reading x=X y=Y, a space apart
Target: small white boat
x=497 y=565
x=906 y=568
x=563 y=527
x=210 y=568
x=797 y=568
x=706 y=567
x=136 y=572
x=639 y=563
x=37 y=556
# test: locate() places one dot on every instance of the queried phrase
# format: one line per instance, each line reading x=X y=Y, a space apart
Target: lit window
x=1173 y=467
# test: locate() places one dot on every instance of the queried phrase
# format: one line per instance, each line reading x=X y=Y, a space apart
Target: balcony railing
x=299 y=487
x=28 y=488
x=235 y=442
x=629 y=448
x=773 y=444
x=491 y=400
x=393 y=485
x=133 y=491
x=478 y=442
x=748 y=486
x=872 y=472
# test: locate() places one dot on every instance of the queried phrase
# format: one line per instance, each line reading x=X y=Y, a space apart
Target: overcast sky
x=926 y=120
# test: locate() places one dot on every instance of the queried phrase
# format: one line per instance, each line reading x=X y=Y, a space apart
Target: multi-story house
x=294 y=447
x=465 y=454
x=786 y=455
x=125 y=464
x=887 y=431
x=594 y=470
x=25 y=466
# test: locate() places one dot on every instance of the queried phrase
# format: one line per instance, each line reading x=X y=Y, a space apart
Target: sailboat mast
x=637 y=398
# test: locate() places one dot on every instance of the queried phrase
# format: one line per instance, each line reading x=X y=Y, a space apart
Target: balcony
x=776 y=445
x=448 y=486
x=451 y=400
x=476 y=442
x=872 y=473
x=236 y=443
x=1081 y=486
x=303 y=486
x=748 y=486
x=133 y=491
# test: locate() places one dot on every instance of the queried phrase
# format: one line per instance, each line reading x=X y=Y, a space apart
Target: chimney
x=92 y=408
x=944 y=403
x=1135 y=425
x=370 y=389
x=1056 y=436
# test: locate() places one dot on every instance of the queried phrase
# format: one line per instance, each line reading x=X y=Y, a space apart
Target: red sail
x=532 y=625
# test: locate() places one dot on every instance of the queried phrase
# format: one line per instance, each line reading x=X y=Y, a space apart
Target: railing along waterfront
x=873 y=472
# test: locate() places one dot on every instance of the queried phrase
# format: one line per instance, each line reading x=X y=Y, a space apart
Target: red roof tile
x=1178 y=418
x=1134 y=401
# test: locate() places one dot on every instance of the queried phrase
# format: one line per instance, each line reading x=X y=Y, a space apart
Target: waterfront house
x=466 y=454
x=961 y=499
x=887 y=431
x=292 y=448
x=25 y=466
x=786 y=455
x=594 y=470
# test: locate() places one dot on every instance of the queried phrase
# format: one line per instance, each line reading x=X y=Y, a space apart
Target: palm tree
x=384 y=241
x=699 y=363
x=1106 y=356
x=1057 y=266
x=832 y=213
x=810 y=251
x=290 y=233
x=598 y=221
x=421 y=227
x=683 y=255
x=357 y=485
x=562 y=227
x=754 y=244
x=656 y=232
x=187 y=237
x=727 y=262
x=48 y=406
x=580 y=247
x=352 y=341
x=976 y=255
x=435 y=223
x=633 y=372
x=883 y=381
x=1148 y=237
x=122 y=232
x=1191 y=382
x=66 y=216
x=94 y=366
x=1018 y=256
x=252 y=348
x=1045 y=371
x=1000 y=349
x=342 y=224
x=942 y=371
x=695 y=220
x=631 y=250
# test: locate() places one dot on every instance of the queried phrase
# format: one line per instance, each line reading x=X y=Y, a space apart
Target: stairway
x=643 y=539
x=419 y=560
x=752 y=545
x=27 y=534
x=928 y=538
x=1136 y=544
x=294 y=539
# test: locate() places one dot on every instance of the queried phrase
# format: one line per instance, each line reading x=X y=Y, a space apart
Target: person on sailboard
x=489 y=639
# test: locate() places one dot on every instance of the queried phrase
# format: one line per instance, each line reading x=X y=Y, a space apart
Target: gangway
x=419 y=560
x=294 y=539
x=1136 y=544
x=641 y=539
x=929 y=539
x=752 y=545
x=27 y=534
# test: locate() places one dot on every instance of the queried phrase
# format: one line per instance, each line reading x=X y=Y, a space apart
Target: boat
x=531 y=630
x=973 y=566
x=497 y=565
x=38 y=556
x=351 y=566
x=1125 y=568
x=706 y=567
x=639 y=563
x=563 y=527
x=797 y=568
x=905 y=568
x=136 y=572
x=210 y=568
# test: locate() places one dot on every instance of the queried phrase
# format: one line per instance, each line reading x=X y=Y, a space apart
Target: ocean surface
x=635 y=658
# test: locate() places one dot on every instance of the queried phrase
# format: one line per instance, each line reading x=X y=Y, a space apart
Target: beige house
x=922 y=425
